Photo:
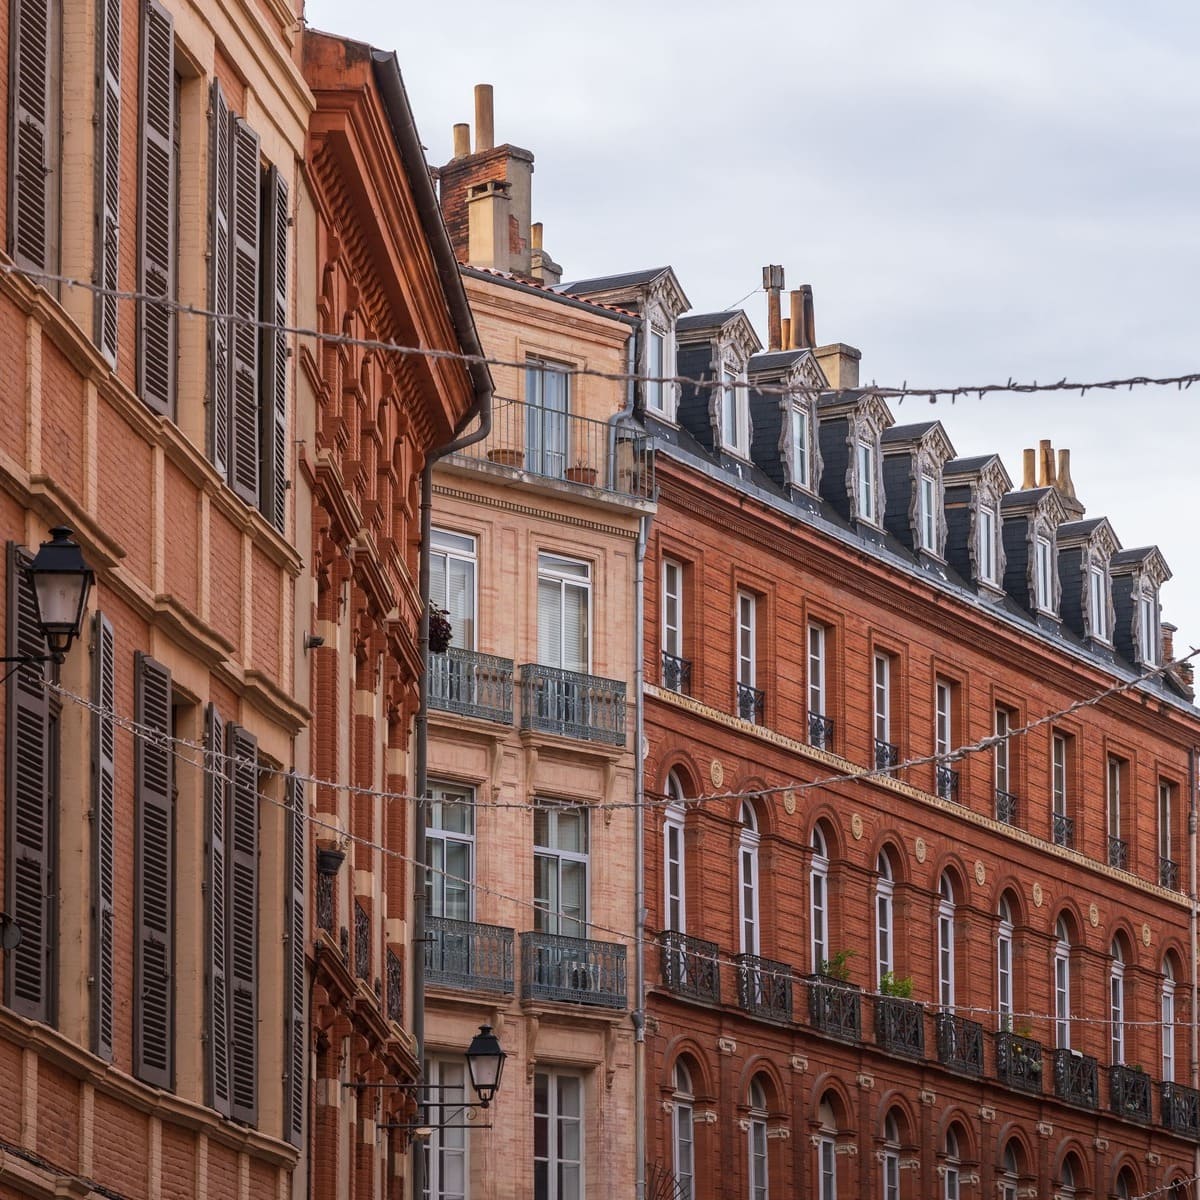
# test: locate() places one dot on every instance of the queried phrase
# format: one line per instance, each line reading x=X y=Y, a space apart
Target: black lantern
x=329 y=860
x=485 y=1062
x=60 y=580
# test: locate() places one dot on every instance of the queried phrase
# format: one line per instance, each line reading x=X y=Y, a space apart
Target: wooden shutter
x=154 y=913
x=33 y=181
x=244 y=224
x=108 y=170
x=103 y=830
x=219 y=293
x=31 y=842
x=242 y=859
x=156 y=250
x=295 y=1039
x=216 y=790
x=274 y=365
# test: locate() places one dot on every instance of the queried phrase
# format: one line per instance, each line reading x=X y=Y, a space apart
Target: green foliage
x=889 y=985
x=838 y=967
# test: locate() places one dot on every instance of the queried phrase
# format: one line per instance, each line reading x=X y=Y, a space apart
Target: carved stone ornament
x=980 y=872
x=1037 y=895
x=1145 y=935
x=986 y=1113
x=789 y=801
x=927 y=1096
x=726 y=1045
x=856 y=827
x=1153 y=1159
x=1093 y=916
x=920 y=849
x=1101 y=1144
x=716 y=772
x=1045 y=1129
x=799 y=1063
x=864 y=1081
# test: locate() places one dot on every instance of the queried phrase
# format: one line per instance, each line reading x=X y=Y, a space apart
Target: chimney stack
x=810 y=317
x=1030 y=463
x=1046 y=475
x=462 y=140
x=785 y=333
x=797 y=303
x=485 y=127
x=773 y=285
x=1066 y=484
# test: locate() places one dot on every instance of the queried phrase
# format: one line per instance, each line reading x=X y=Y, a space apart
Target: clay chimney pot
x=797 y=302
x=462 y=140
x=1046 y=476
x=485 y=130
x=1030 y=464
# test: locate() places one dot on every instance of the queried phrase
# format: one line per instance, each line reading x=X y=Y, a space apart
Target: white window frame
x=756 y=1143
x=563 y=572
x=881 y=690
x=986 y=555
x=945 y=930
x=1167 y=1025
x=1043 y=573
x=1058 y=775
x=927 y=521
x=1116 y=1004
x=826 y=1167
x=672 y=607
x=454 y=796
x=555 y=919
x=1149 y=627
x=1062 y=987
x=818 y=891
x=951 y=1170
x=748 y=881
x=1003 y=725
x=1004 y=967
x=1098 y=602
x=558 y=1082
x=674 y=862
x=943 y=732
x=683 y=1137
x=1009 y=1180
x=1113 y=797
x=449 y=1142
x=735 y=405
x=747 y=638
x=890 y=1175
x=885 y=917
x=657 y=394
x=1165 y=841
x=547 y=429
x=449 y=546
x=867 y=501
x=816 y=669
x=800 y=433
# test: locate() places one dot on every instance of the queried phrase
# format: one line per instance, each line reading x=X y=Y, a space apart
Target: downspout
x=1193 y=920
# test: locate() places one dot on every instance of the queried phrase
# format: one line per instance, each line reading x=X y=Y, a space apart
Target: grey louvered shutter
x=216 y=790
x=33 y=179
x=219 y=293
x=154 y=909
x=156 y=249
x=274 y=364
x=244 y=224
x=242 y=860
x=295 y=1041
x=103 y=831
x=108 y=170
x=28 y=975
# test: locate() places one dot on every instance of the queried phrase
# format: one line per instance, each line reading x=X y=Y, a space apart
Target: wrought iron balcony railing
x=690 y=967
x=468 y=955
x=887 y=755
x=1118 y=853
x=834 y=1007
x=551 y=444
x=571 y=704
x=947 y=782
x=579 y=970
x=1181 y=1110
x=820 y=731
x=1129 y=1092
x=751 y=703
x=1006 y=807
x=960 y=1043
x=900 y=1026
x=676 y=673
x=1076 y=1078
x=1063 y=830
x=395 y=987
x=362 y=942
x=1019 y=1061
x=472 y=685
x=764 y=987
x=1168 y=874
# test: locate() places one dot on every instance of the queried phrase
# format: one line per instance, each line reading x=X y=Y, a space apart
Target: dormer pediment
x=1097 y=538
x=1146 y=562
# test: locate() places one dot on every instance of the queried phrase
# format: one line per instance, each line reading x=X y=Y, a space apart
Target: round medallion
x=716 y=772
x=789 y=801
x=1145 y=935
x=919 y=849
x=1037 y=895
x=856 y=827
x=1093 y=915
x=980 y=872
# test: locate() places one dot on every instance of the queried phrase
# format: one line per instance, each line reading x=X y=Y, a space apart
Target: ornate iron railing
x=395 y=987
x=947 y=782
x=344 y=943
x=820 y=731
x=1168 y=874
x=764 y=987
x=1181 y=1109
x=572 y=704
x=834 y=1007
x=900 y=1026
x=1064 y=830
x=362 y=942
x=1118 y=853
x=556 y=967
x=887 y=755
x=676 y=673
x=1076 y=1078
x=325 y=901
x=1019 y=1061
x=1129 y=1091
x=690 y=967
x=1006 y=807
x=471 y=684
x=468 y=955
x=960 y=1043
x=751 y=702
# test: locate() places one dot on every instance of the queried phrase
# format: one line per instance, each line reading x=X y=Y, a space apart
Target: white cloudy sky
x=975 y=192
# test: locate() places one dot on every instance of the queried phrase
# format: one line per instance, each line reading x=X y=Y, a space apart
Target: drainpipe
x=1193 y=920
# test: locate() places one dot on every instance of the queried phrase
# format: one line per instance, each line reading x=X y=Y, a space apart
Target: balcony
x=472 y=685
x=887 y=755
x=820 y=731
x=572 y=705
x=1181 y=1110
x=547 y=443
x=1063 y=831
x=1076 y=1078
x=1006 y=807
x=960 y=1044
x=676 y=673
x=751 y=703
x=469 y=956
x=1168 y=874
x=362 y=942
x=690 y=967
x=900 y=1026
x=395 y=988
x=834 y=1008
x=575 y=970
x=1129 y=1093
x=947 y=782
x=764 y=987
x=1019 y=1062
x=1118 y=853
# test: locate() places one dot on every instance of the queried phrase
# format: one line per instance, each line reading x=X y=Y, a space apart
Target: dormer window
x=985 y=550
x=1148 y=627
x=927 y=517
x=867 y=502
x=656 y=357
x=1098 y=602
x=735 y=424
x=801 y=447
x=1043 y=571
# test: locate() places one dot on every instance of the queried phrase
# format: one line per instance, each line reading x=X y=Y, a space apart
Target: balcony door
x=563 y=611
x=560 y=870
x=450 y=878
x=452 y=563
x=547 y=394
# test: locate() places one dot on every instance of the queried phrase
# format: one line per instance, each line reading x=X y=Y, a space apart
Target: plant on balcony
x=441 y=632
x=889 y=985
x=582 y=472
x=837 y=967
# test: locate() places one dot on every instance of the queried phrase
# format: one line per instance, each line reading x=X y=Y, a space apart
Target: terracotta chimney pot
x=462 y=140
x=785 y=333
x=1030 y=464
x=797 y=303
x=1046 y=476
x=485 y=130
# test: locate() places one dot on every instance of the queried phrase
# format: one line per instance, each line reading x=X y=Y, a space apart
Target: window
x=674 y=883
x=985 y=545
x=1044 y=579
x=927 y=516
x=1149 y=627
x=943 y=739
x=656 y=355
x=1117 y=847
x=1067 y=1176
x=748 y=879
x=946 y=943
x=452 y=563
x=891 y=1159
x=1004 y=965
x=801 y=464
x=564 y=610
x=557 y=1136
x=560 y=870
x=450 y=852
x=1166 y=861
x=672 y=608
x=1098 y=602
x=547 y=397
x=1168 y=1023
x=446 y=1164
x=951 y=1168
x=684 y=1146
x=818 y=886
x=1062 y=986
x=1009 y=1179
x=108 y=173
x=885 y=962
x=1003 y=726
x=749 y=698
x=867 y=507
x=1062 y=830
x=1116 y=1005
x=827 y=1153
x=819 y=732
x=757 y=1139
x=882 y=692
x=735 y=432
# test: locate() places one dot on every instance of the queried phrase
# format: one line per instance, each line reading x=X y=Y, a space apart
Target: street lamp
x=61 y=581
x=485 y=1063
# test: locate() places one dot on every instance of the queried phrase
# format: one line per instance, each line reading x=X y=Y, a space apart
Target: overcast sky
x=975 y=192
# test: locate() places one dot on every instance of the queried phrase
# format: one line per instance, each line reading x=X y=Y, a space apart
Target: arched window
x=1062 y=986
x=1004 y=965
x=946 y=943
x=952 y=1168
x=1168 y=1022
x=758 y=1140
x=1009 y=1177
x=884 y=916
x=1116 y=1002
x=818 y=880
x=827 y=1153
x=1126 y=1185
x=891 y=1158
x=1068 y=1176
x=748 y=878
x=684 y=1158
x=675 y=897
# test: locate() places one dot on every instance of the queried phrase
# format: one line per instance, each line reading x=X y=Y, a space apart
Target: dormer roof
x=1145 y=559
x=930 y=435
x=787 y=368
x=1044 y=501
x=654 y=283
x=1096 y=530
x=732 y=326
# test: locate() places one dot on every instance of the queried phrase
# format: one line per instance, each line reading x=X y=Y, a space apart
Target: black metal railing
x=1076 y=1078
x=572 y=704
x=1063 y=830
x=947 y=782
x=751 y=703
x=344 y=944
x=820 y=731
x=471 y=684
x=1118 y=853
x=900 y=1026
x=557 y=967
x=1006 y=807
x=1018 y=1061
x=676 y=673
x=1129 y=1091
x=552 y=444
x=764 y=987
x=395 y=987
x=960 y=1043
x=887 y=755
x=690 y=967
x=468 y=955
x=325 y=901
x=834 y=1007
x=1181 y=1109
x=362 y=942
x=1168 y=874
